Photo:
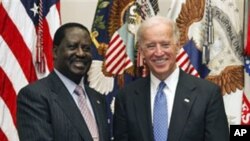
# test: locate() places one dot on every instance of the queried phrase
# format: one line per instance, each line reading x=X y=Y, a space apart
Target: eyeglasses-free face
x=159 y=50
x=153 y=46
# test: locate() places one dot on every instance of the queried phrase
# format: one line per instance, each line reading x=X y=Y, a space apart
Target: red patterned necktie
x=87 y=115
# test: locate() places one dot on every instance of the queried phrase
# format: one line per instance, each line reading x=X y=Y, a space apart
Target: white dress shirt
x=70 y=85
x=169 y=90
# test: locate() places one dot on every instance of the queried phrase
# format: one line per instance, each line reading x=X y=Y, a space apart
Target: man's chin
x=80 y=72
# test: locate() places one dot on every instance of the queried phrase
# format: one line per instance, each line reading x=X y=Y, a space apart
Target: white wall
x=82 y=11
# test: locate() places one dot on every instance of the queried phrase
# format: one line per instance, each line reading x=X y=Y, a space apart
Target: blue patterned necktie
x=160 y=116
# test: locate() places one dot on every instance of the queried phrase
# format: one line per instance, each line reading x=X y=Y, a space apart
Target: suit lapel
x=183 y=101
x=66 y=102
x=143 y=109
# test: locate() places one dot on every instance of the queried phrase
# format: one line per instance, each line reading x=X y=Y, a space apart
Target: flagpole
x=244 y=24
x=245 y=21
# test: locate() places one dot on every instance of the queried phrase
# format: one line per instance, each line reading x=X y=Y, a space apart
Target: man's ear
x=141 y=53
x=177 y=48
x=139 y=48
x=55 y=51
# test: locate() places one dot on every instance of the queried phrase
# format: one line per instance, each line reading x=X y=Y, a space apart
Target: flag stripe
x=116 y=41
x=25 y=56
x=188 y=68
x=117 y=57
x=114 y=49
x=53 y=19
x=183 y=66
x=181 y=54
x=25 y=27
x=8 y=94
x=118 y=63
x=117 y=52
x=2 y=136
x=8 y=64
x=127 y=62
x=185 y=63
x=191 y=70
x=47 y=42
x=7 y=124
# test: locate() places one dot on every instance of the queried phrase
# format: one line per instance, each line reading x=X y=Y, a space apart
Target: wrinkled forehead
x=157 y=31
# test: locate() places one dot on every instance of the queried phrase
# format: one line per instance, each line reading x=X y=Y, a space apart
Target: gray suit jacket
x=47 y=112
x=203 y=118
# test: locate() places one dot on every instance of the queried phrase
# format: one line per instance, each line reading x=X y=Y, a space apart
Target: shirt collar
x=171 y=81
x=69 y=84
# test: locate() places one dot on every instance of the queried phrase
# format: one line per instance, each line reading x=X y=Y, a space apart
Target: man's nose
x=80 y=51
x=158 y=49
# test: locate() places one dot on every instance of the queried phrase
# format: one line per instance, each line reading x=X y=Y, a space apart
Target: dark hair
x=60 y=32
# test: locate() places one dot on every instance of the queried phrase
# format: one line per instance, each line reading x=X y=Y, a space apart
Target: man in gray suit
x=52 y=109
x=182 y=108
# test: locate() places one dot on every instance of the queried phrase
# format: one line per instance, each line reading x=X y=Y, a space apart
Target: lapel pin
x=186 y=100
x=98 y=102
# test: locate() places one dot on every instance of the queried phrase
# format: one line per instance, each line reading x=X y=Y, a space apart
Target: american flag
x=26 y=31
x=183 y=61
x=117 y=59
x=189 y=60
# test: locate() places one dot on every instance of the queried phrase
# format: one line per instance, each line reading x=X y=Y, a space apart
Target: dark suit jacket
x=203 y=118
x=47 y=112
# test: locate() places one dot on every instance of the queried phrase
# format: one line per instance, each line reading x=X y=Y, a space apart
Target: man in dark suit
x=182 y=108
x=52 y=109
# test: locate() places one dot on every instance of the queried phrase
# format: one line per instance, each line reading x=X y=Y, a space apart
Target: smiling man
x=60 y=107
x=168 y=105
